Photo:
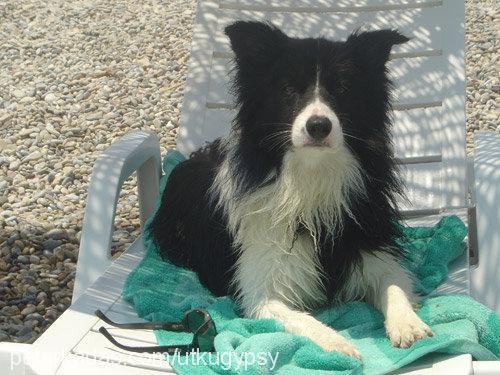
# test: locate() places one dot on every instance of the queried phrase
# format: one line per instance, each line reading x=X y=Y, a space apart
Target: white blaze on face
x=317 y=107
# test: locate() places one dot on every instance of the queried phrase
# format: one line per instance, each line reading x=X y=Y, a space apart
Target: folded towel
x=161 y=291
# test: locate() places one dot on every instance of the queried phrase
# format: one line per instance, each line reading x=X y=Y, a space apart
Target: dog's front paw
x=403 y=330
x=332 y=340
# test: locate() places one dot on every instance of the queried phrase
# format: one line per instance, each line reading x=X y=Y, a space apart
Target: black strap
x=170 y=349
x=169 y=326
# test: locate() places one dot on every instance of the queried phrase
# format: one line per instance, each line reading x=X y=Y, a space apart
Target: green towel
x=161 y=291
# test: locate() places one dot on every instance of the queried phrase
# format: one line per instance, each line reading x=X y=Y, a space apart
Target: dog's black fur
x=273 y=82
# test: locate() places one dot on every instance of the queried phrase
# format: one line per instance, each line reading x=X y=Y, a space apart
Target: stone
x=41 y=296
x=28 y=310
x=72 y=198
x=32 y=289
x=4 y=336
x=5 y=117
x=4 y=266
x=35 y=316
x=25 y=132
x=10 y=310
x=18 y=93
x=66 y=251
x=51 y=314
x=50 y=97
x=35 y=155
x=14 y=165
x=25 y=334
x=50 y=244
x=44 y=285
x=23 y=259
x=56 y=234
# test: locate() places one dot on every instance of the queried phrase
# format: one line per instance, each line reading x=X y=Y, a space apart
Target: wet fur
x=283 y=227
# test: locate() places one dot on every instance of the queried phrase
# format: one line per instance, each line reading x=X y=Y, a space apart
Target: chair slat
x=423 y=186
x=417 y=82
x=416 y=133
x=422 y=25
x=328 y=5
x=123 y=307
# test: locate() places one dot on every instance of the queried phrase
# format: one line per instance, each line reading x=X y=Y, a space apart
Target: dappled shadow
x=134 y=152
x=428 y=71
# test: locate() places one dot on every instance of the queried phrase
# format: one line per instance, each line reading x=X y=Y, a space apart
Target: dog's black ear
x=375 y=46
x=255 y=42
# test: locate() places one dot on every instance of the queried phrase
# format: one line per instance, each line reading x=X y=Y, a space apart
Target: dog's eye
x=342 y=88
x=337 y=90
x=288 y=90
x=337 y=86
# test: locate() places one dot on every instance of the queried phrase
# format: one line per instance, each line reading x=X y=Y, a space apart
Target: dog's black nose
x=318 y=127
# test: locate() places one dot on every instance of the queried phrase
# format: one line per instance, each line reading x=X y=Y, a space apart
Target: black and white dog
x=294 y=209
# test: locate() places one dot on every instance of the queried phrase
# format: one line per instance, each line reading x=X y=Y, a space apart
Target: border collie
x=294 y=209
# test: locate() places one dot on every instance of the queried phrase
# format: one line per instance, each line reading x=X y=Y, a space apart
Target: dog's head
x=314 y=94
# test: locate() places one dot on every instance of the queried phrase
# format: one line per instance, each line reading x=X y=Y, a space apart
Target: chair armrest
x=136 y=151
x=485 y=278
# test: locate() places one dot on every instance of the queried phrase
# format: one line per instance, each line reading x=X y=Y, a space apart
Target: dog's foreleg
x=389 y=288
x=301 y=323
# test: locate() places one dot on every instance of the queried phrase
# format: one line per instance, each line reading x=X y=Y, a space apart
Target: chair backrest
x=429 y=73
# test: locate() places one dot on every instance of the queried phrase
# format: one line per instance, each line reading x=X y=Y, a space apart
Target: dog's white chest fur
x=274 y=261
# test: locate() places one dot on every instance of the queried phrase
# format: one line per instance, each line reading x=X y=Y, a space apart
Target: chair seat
x=87 y=347
x=83 y=348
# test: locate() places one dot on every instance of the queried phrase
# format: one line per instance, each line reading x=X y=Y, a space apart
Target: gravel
x=482 y=24
x=74 y=77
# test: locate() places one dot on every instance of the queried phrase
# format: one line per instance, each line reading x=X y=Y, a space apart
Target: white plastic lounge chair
x=430 y=141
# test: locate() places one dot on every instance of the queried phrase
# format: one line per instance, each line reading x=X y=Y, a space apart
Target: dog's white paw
x=403 y=330
x=332 y=340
